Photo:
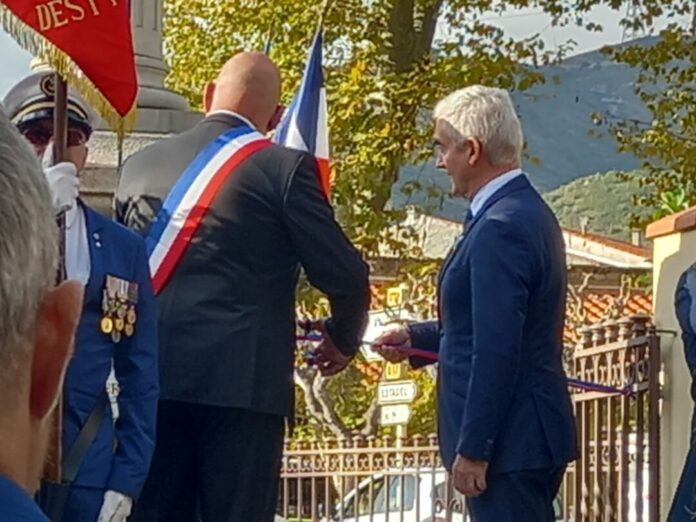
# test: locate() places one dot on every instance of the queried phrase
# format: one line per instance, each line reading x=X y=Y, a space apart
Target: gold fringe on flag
x=59 y=61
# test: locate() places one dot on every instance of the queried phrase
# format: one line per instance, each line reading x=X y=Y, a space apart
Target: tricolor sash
x=192 y=195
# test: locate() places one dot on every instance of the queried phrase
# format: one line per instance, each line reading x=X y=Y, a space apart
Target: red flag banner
x=88 y=42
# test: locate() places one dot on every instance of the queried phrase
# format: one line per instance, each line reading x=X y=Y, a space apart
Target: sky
x=518 y=24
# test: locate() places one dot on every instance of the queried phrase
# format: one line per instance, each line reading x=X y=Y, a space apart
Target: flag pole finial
x=325 y=8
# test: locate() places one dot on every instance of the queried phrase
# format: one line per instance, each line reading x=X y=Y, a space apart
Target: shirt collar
x=490 y=188
x=234 y=115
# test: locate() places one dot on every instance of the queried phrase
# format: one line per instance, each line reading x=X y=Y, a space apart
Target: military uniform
x=117 y=330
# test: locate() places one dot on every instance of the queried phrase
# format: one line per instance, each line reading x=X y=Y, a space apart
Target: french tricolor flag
x=305 y=124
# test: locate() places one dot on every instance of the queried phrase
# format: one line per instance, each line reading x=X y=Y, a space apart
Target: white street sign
x=396 y=392
x=378 y=323
x=394 y=414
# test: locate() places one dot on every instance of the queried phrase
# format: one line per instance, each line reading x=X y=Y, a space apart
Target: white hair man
x=506 y=425
x=37 y=324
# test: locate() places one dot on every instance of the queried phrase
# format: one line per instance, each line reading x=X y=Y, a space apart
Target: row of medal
x=118 y=307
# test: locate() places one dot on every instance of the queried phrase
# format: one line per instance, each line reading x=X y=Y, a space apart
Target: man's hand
x=388 y=343
x=469 y=476
x=116 y=507
x=62 y=177
x=328 y=358
x=64 y=185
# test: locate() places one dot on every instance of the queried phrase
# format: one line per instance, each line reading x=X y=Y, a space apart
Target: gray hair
x=487 y=114
x=28 y=244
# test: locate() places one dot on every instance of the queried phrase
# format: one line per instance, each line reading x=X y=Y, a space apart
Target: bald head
x=248 y=84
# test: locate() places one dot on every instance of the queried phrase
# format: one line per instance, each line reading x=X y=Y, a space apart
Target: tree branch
x=332 y=420
x=371 y=418
x=305 y=379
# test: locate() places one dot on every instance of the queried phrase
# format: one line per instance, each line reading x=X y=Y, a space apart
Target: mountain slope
x=604 y=200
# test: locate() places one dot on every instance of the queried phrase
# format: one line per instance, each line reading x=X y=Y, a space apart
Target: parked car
x=408 y=496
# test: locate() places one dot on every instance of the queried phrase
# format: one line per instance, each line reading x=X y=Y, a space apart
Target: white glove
x=64 y=185
x=62 y=180
x=116 y=507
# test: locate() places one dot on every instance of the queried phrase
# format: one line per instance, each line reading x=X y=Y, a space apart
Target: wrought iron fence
x=403 y=480
x=617 y=476
x=368 y=479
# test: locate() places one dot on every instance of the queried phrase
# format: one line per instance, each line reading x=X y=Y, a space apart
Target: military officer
x=117 y=327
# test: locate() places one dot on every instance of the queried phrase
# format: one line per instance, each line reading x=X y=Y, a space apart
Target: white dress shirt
x=77 y=261
x=491 y=188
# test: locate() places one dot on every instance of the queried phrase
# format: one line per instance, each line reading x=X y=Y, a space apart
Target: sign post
x=394 y=395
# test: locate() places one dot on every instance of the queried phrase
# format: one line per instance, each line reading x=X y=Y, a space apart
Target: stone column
x=146 y=18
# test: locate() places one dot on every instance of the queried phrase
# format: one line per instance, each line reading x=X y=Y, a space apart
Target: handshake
x=326 y=357
x=393 y=346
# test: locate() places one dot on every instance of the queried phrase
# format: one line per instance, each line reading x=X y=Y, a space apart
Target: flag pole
x=54 y=457
x=269 y=39
x=60 y=119
x=328 y=4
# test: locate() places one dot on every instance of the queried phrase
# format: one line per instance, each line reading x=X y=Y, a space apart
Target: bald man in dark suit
x=227 y=309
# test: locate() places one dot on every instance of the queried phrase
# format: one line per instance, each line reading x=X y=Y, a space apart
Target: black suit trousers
x=213 y=464
x=524 y=496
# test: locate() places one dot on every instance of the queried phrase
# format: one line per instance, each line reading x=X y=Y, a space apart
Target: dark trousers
x=684 y=502
x=83 y=505
x=223 y=463
x=525 y=496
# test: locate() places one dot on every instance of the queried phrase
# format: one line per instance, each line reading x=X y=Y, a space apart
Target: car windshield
x=393 y=493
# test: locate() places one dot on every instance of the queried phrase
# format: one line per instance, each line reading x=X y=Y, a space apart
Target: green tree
x=666 y=142
x=387 y=62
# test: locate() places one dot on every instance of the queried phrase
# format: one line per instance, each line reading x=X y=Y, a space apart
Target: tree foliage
x=666 y=143
x=387 y=63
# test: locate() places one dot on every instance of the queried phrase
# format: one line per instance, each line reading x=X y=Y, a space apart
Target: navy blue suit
x=120 y=456
x=502 y=391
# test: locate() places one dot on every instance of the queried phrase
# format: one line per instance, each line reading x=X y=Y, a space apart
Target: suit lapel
x=518 y=183
x=95 y=240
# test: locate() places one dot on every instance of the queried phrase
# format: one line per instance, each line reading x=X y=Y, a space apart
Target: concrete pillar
x=674 y=240
x=146 y=16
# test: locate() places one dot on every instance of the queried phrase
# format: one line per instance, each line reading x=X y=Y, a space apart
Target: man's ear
x=476 y=151
x=275 y=119
x=208 y=93
x=56 y=322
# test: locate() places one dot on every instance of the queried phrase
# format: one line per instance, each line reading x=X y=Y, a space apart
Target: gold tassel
x=57 y=60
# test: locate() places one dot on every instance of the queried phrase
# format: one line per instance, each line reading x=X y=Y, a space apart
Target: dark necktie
x=468 y=219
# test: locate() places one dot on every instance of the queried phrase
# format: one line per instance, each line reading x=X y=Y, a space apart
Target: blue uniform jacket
x=120 y=456
x=502 y=392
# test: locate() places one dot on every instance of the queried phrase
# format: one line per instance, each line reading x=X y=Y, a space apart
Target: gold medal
x=107 y=325
x=119 y=325
x=129 y=330
x=121 y=311
x=131 y=315
x=116 y=336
